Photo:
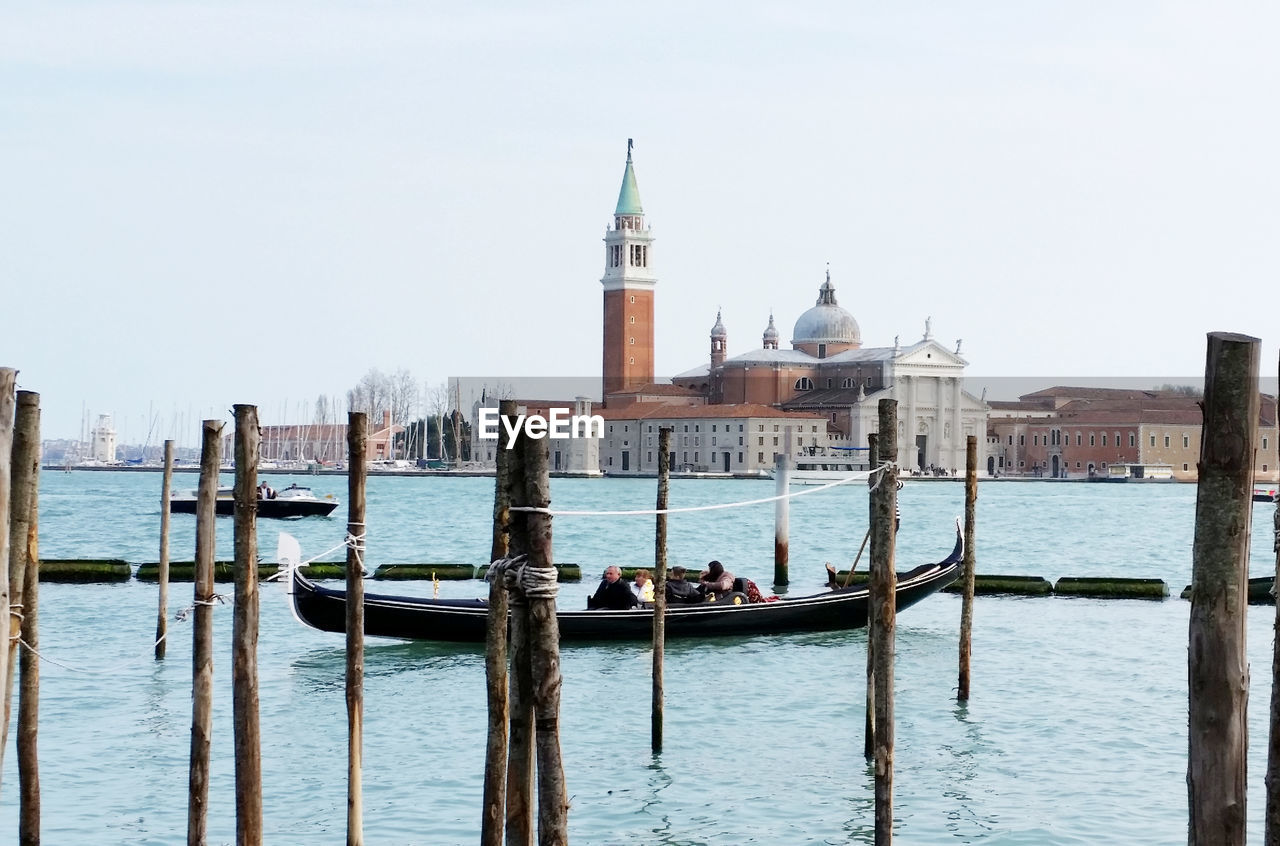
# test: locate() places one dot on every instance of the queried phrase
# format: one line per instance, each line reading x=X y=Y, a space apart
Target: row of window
x=804 y=383
x=1054 y=439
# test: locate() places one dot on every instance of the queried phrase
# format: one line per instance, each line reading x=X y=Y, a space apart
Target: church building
x=829 y=372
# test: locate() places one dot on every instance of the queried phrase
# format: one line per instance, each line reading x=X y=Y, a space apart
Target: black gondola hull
x=463 y=620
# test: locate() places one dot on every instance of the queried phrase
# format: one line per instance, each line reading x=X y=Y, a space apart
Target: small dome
x=771 y=333
x=718 y=331
x=826 y=322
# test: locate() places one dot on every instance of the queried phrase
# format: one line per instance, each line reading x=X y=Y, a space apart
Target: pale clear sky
x=211 y=203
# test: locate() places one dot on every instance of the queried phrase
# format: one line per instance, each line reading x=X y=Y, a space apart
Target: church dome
x=718 y=331
x=826 y=322
x=771 y=332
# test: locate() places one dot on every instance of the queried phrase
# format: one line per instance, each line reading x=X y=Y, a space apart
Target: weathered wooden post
x=520 y=751
x=970 y=565
x=884 y=499
x=1218 y=672
x=660 y=586
x=495 y=650
x=1272 y=828
x=869 y=725
x=29 y=690
x=357 y=442
x=24 y=469
x=8 y=379
x=244 y=632
x=540 y=588
x=162 y=569
x=782 y=513
x=202 y=634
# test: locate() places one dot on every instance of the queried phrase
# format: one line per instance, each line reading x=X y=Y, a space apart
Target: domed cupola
x=826 y=329
x=771 y=335
x=719 y=341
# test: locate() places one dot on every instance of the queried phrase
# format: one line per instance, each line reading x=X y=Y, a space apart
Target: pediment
x=929 y=354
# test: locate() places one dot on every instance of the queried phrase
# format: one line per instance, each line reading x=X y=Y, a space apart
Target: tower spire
x=629 y=195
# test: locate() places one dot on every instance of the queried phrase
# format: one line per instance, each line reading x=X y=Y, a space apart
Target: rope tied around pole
x=523 y=581
x=213 y=601
x=15 y=610
x=880 y=471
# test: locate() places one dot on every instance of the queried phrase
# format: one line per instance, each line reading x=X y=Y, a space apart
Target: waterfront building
x=736 y=438
x=1082 y=432
x=576 y=456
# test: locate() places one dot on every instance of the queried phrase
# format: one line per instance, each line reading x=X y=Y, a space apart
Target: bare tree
x=371 y=395
x=438 y=405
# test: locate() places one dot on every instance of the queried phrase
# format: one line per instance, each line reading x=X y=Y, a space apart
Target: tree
x=438 y=406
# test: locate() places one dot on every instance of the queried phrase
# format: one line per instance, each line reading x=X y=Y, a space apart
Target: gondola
x=463 y=620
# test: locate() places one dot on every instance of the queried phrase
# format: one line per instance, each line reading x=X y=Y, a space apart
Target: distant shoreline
x=459 y=474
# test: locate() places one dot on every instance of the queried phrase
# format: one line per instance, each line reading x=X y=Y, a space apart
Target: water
x=1076 y=732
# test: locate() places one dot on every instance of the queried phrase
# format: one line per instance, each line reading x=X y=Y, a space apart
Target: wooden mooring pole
x=29 y=689
x=24 y=469
x=357 y=471
x=244 y=632
x=660 y=587
x=782 y=513
x=495 y=650
x=202 y=634
x=869 y=724
x=1218 y=672
x=162 y=569
x=884 y=498
x=544 y=651
x=1272 y=826
x=969 y=565
x=8 y=380
x=520 y=750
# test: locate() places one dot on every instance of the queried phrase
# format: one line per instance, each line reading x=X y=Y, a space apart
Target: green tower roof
x=629 y=196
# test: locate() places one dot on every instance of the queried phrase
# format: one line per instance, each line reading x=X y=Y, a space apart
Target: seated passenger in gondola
x=715 y=580
x=613 y=593
x=678 y=590
x=642 y=587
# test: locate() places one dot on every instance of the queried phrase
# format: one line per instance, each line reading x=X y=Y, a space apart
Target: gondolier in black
x=613 y=593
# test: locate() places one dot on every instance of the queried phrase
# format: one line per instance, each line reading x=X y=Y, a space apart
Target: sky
x=258 y=202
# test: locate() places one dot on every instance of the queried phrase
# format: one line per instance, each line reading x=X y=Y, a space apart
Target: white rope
x=649 y=512
x=180 y=617
x=539 y=582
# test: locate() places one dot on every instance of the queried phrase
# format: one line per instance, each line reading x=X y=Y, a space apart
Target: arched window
x=804 y=383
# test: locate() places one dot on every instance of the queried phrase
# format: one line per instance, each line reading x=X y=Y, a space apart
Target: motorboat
x=293 y=501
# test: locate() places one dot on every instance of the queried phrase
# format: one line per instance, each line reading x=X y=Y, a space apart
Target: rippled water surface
x=1076 y=732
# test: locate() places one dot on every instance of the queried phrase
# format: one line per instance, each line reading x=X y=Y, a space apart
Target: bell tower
x=628 y=292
